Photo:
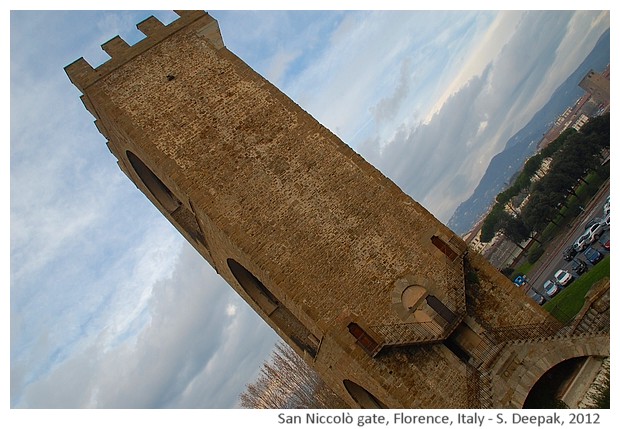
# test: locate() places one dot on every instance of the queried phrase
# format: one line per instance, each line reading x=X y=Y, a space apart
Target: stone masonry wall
x=308 y=233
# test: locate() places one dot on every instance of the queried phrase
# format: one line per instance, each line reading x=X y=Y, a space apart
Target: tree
x=286 y=381
x=597 y=126
x=561 y=184
x=532 y=165
x=539 y=211
x=513 y=228
x=489 y=226
x=574 y=155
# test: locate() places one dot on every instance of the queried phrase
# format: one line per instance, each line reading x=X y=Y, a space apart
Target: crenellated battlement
x=82 y=74
x=378 y=296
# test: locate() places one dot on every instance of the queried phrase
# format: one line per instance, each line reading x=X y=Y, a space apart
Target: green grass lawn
x=568 y=302
x=524 y=268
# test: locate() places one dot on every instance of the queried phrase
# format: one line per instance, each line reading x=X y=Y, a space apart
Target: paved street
x=552 y=260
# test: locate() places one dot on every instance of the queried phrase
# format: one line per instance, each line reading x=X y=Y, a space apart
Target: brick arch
x=361 y=396
x=253 y=287
x=154 y=184
x=555 y=352
x=302 y=339
x=172 y=205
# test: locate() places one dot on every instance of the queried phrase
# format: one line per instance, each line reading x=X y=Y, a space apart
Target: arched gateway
x=374 y=292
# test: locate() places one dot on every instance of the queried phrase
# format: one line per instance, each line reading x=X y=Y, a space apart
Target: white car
x=606 y=207
x=592 y=234
x=582 y=242
x=595 y=231
x=551 y=289
x=563 y=277
x=592 y=222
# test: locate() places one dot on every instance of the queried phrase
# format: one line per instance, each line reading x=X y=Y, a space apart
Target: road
x=552 y=259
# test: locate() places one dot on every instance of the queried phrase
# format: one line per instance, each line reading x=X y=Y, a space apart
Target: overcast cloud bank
x=110 y=307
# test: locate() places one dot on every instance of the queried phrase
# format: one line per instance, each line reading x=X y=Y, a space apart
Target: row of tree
x=497 y=219
x=574 y=154
x=287 y=381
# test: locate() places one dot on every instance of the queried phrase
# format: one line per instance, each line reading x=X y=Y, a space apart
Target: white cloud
x=108 y=308
x=491 y=42
x=583 y=31
x=338 y=86
x=180 y=359
x=389 y=106
x=92 y=297
x=280 y=65
x=440 y=162
x=231 y=310
x=77 y=264
x=370 y=80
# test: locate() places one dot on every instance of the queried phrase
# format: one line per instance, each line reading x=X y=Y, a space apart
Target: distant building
x=542 y=170
x=597 y=85
x=593 y=103
x=581 y=121
x=480 y=246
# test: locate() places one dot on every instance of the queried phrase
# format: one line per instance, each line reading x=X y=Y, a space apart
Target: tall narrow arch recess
x=184 y=216
x=253 y=287
x=157 y=188
x=361 y=396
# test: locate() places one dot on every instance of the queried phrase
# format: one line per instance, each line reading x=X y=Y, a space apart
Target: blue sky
x=109 y=307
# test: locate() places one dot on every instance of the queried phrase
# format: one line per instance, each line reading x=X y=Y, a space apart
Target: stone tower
x=597 y=85
x=376 y=294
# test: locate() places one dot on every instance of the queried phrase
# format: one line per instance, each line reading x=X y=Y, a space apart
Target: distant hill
x=523 y=144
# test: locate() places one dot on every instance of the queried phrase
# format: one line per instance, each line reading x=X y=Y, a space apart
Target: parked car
x=551 y=288
x=595 y=231
x=569 y=253
x=579 y=267
x=540 y=300
x=592 y=255
x=582 y=242
x=563 y=277
x=606 y=207
x=520 y=281
x=592 y=222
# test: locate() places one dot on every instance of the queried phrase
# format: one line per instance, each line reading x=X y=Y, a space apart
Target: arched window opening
x=411 y=296
x=444 y=247
x=157 y=188
x=361 y=396
x=549 y=391
x=253 y=287
x=277 y=312
x=181 y=214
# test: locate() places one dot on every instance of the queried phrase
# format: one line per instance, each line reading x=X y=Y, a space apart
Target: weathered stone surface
x=315 y=239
